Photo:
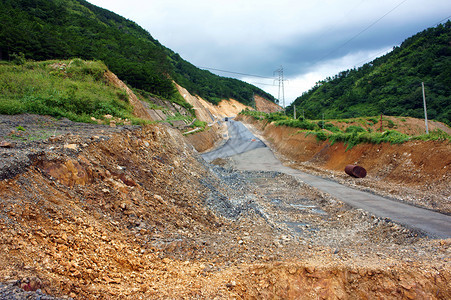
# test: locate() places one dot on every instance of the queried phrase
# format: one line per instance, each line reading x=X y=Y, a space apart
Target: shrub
x=373 y=120
x=35 y=89
x=255 y=114
x=18 y=59
x=297 y=124
x=435 y=135
x=200 y=124
x=331 y=127
x=355 y=138
x=277 y=116
x=354 y=129
x=390 y=124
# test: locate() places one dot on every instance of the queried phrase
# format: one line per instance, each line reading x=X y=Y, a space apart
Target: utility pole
x=281 y=88
x=425 y=110
x=294 y=111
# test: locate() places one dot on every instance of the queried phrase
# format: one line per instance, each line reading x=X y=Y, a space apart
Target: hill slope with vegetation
x=65 y=29
x=76 y=89
x=391 y=84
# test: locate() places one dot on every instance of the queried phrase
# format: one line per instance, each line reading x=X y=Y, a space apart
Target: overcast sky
x=311 y=39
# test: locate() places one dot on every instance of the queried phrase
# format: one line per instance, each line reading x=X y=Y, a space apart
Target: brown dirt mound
x=406 y=125
x=207 y=139
x=207 y=112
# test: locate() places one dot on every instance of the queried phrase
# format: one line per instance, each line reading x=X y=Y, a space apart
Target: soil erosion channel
x=249 y=153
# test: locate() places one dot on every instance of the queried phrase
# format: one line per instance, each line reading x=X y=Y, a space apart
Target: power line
x=238 y=73
x=377 y=55
x=365 y=29
x=260 y=83
x=442 y=20
x=367 y=60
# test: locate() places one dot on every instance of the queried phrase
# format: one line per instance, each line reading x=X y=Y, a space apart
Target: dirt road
x=241 y=141
x=247 y=157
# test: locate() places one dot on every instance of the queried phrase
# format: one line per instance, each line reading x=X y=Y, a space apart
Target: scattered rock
x=5 y=144
x=71 y=146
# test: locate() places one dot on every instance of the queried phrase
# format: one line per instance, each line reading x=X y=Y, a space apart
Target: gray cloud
x=257 y=36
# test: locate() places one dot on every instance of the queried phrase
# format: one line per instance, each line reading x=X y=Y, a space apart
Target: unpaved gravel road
x=241 y=141
x=240 y=147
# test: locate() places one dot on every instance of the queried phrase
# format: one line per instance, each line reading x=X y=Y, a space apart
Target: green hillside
x=391 y=84
x=73 y=89
x=64 y=29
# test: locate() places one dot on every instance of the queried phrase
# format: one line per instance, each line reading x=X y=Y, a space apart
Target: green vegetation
x=351 y=136
x=435 y=135
x=64 y=29
x=390 y=84
x=73 y=89
x=297 y=124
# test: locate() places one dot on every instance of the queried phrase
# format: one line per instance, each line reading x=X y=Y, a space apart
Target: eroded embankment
x=417 y=172
x=134 y=214
x=207 y=139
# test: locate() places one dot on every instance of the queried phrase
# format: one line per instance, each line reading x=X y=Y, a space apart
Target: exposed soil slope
x=266 y=106
x=128 y=212
x=416 y=172
x=406 y=125
x=207 y=112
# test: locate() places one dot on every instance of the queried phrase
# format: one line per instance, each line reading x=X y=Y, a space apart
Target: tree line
x=64 y=29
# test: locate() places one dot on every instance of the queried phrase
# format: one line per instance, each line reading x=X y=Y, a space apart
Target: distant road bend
x=250 y=153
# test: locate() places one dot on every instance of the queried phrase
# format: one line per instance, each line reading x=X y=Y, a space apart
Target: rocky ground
x=96 y=212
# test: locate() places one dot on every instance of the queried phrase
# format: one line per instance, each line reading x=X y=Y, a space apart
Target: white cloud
x=296 y=85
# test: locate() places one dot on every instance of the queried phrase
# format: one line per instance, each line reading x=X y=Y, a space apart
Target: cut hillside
x=263 y=105
x=80 y=91
x=209 y=112
x=407 y=125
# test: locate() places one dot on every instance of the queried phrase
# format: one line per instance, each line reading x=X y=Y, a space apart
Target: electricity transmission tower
x=281 y=88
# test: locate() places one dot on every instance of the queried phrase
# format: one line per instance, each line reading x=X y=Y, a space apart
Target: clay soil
x=95 y=212
x=261 y=104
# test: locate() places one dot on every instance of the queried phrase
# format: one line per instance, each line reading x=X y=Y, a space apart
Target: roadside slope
x=416 y=172
x=101 y=212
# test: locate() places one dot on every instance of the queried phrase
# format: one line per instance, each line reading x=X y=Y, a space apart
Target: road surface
x=241 y=140
x=250 y=153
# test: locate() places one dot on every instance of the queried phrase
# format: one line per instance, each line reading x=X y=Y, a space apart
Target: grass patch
x=351 y=139
x=74 y=89
x=297 y=124
x=435 y=135
x=353 y=135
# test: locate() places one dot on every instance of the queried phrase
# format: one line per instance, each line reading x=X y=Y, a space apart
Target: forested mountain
x=390 y=84
x=62 y=29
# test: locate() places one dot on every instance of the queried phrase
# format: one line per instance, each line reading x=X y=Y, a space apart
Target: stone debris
x=136 y=214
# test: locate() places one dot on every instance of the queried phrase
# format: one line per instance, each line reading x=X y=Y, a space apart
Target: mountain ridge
x=390 y=84
x=65 y=29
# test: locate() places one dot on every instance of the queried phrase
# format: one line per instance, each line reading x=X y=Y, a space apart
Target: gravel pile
x=12 y=291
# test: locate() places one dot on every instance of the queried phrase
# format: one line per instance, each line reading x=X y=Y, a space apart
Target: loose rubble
x=134 y=213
